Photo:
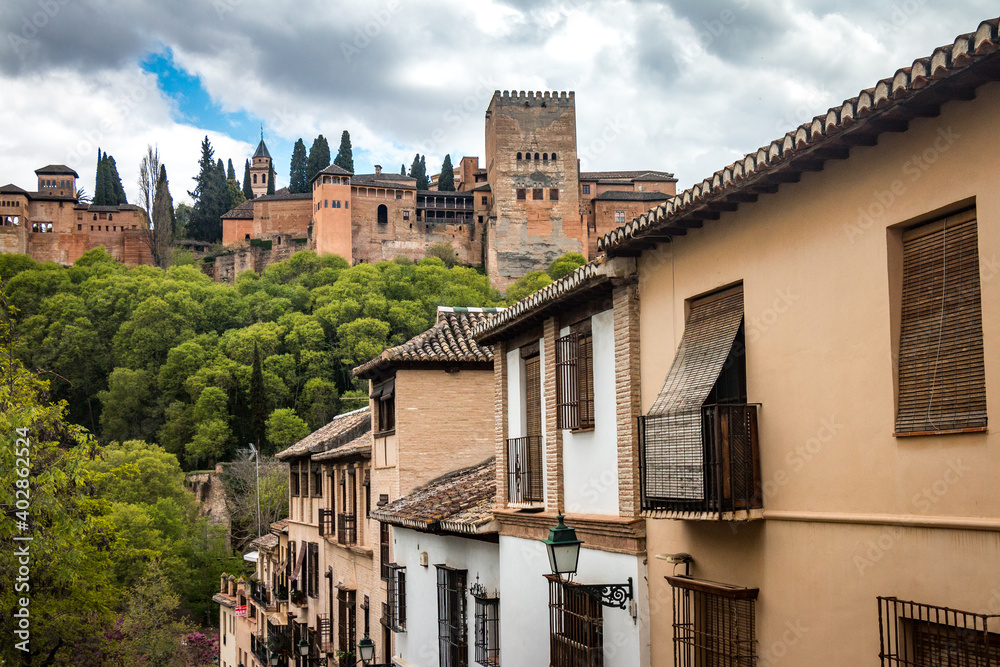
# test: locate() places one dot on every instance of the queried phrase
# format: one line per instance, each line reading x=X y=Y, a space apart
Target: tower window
x=553 y=157
x=383 y=214
x=554 y=194
x=255 y=179
x=521 y=194
x=536 y=156
x=545 y=157
x=263 y=178
x=536 y=194
x=519 y=155
x=527 y=156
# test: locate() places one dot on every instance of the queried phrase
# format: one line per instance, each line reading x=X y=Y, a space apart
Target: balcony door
x=533 y=424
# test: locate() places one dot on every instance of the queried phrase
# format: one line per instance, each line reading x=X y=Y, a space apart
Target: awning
x=384 y=390
x=673 y=425
x=298 y=561
x=251 y=556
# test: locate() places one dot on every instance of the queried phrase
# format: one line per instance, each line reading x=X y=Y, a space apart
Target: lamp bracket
x=609 y=595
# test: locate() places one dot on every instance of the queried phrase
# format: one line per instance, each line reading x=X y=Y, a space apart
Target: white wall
x=517 y=425
x=227 y=650
x=524 y=599
x=419 y=644
x=590 y=458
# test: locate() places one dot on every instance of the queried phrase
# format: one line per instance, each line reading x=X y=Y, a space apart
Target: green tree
x=182 y=217
x=297 y=170
x=230 y=171
x=418 y=170
x=424 y=181
x=361 y=340
x=117 y=194
x=258 y=402
x=345 y=154
x=566 y=264
x=445 y=252
x=526 y=285
x=319 y=402
x=402 y=170
x=210 y=198
x=319 y=158
x=270 y=179
x=150 y=626
x=247 y=189
x=285 y=428
x=446 y=181
x=129 y=405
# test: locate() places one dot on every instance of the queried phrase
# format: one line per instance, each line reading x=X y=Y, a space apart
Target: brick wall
x=553 y=434
x=626 y=322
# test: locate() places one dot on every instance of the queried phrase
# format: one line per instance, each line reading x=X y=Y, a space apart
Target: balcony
x=720 y=482
x=324 y=633
x=347 y=529
x=524 y=470
x=299 y=598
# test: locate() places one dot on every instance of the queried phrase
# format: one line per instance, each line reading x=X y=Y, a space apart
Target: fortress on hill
x=525 y=205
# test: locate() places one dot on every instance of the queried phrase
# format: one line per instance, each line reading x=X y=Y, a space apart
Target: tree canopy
x=446 y=180
x=345 y=154
x=319 y=158
x=211 y=197
x=297 y=170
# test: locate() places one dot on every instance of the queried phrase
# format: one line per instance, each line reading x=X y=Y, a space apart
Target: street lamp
x=366 y=652
x=303 y=649
x=563 y=548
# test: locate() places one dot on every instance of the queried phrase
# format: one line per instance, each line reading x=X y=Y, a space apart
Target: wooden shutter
x=942 y=383
x=568 y=381
x=533 y=417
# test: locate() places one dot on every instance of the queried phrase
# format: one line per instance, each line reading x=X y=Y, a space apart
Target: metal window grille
x=554 y=194
x=324 y=632
x=575 y=380
x=536 y=194
x=524 y=470
x=394 y=608
x=576 y=626
x=326 y=523
x=521 y=194
x=942 y=385
x=923 y=635
x=347 y=529
x=347 y=624
x=723 y=478
x=453 y=645
x=487 y=628
x=714 y=624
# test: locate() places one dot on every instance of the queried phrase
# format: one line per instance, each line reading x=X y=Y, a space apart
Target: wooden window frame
x=347 y=623
x=394 y=608
x=313 y=575
x=940 y=379
x=575 y=378
x=316 y=480
x=384 y=395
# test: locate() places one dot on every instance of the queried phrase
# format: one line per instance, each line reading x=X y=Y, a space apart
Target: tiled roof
x=11 y=189
x=334 y=170
x=262 y=150
x=57 y=169
x=284 y=194
x=482 y=187
x=280 y=526
x=360 y=447
x=950 y=72
x=112 y=209
x=385 y=180
x=341 y=430
x=598 y=272
x=242 y=212
x=627 y=176
x=265 y=542
x=459 y=502
x=628 y=195
x=465 y=194
x=449 y=340
x=223 y=599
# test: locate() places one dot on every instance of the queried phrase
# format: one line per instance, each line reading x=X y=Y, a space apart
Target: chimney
x=378 y=169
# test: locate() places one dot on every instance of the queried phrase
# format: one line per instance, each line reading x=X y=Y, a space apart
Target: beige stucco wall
x=820 y=351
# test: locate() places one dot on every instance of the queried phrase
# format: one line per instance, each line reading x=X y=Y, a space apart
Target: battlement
x=523 y=98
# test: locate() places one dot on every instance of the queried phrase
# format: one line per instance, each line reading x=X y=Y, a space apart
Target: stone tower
x=532 y=170
x=260 y=169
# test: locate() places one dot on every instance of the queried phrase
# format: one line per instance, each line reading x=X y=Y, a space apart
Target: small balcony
x=524 y=470
x=718 y=480
x=347 y=529
x=326 y=522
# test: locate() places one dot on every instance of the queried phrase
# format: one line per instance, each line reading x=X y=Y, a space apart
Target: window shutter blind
x=533 y=417
x=942 y=384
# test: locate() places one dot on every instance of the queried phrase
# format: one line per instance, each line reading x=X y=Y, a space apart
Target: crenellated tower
x=532 y=169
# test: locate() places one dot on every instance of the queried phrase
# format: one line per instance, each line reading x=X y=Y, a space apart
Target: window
x=576 y=626
x=536 y=156
x=453 y=643
x=524 y=454
x=406 y=215
x=575 y=378
x=394 y=609
x=484 y=200
x=347 y=522
x=313 y=570
x=619 y=217
x=554 y=194
x=383 y=214
x=545 y=157
x=519 y=155
x=385 y=406
x=942 y=384
x=521 y=194
x=553 y=157
x=536 y=194
x=921 y=635
x=316 y=485
x=383 y=545
x=293 y=479
x=347 y=624
x=255 y=179
x=487 y=627
x=714 y=624
x=699 y=440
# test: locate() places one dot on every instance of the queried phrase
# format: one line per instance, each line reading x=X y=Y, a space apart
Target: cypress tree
x=230 y=172
x=345 y=155
x=402 y=170
x=247 y=190
x=116 y=193
x=446 y=181
x=209 y=196
x=297 y=169
x=270 y=180
x=415 y=168
x=163 y=215
x=424 y=181
x=319 y=158
x=99 y=193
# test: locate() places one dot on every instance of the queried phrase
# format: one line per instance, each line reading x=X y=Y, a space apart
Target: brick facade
x=626 y=322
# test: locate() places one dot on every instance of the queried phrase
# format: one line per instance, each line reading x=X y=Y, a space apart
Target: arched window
x=553 y=157
x=527 y=156
x=545 y=157
x=110 y=216
x=263 y=178
x=536 y=156
x=255 y=179
x=247 y=237
x=383 y=214
x=519 y=155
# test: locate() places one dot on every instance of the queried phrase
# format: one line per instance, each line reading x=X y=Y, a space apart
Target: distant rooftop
x=57 y=169
x=262 y=150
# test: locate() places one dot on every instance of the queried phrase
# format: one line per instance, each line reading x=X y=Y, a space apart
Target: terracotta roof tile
x=459 y=502
x=359 y=447
x=242 y=212
x=929 y=82
x=627 y=176
x=340 y=431
x=628 y=195
x=57 y=169
x=449 y=340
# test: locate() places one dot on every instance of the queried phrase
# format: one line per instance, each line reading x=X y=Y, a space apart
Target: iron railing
x=728 y=472
x=714 y=624
x=524 y=470
x=912 y=634
x=326 y=523
x=347 y=529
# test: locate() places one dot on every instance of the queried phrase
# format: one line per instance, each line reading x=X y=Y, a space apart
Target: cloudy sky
x=685 y=86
